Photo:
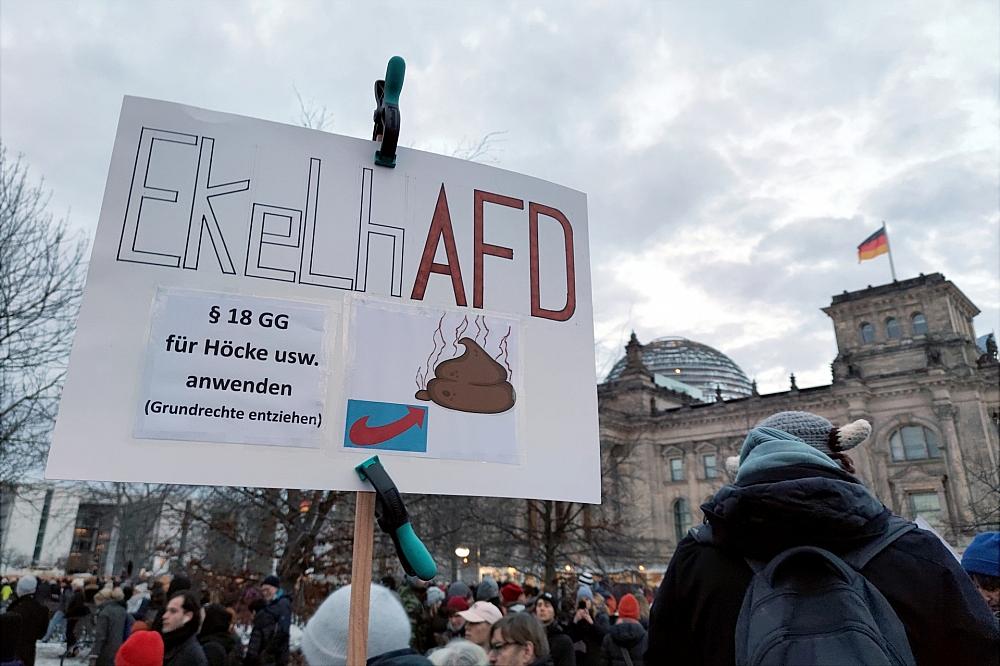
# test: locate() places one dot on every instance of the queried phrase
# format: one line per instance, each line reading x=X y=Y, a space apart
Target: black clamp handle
x=387 y=119
x=393 y=519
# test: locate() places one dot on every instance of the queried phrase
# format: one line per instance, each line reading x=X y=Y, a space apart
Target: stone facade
x=907 y=362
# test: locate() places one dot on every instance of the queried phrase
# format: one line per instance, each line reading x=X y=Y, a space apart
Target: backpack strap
x=896 y=528
x=626 y=655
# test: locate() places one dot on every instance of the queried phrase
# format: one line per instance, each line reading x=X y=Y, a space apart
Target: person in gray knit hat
x=820 y=434
x=794 y=486
x=488 y=590
x=825 y=443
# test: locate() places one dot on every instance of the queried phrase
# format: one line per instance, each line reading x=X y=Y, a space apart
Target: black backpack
x=809 y=606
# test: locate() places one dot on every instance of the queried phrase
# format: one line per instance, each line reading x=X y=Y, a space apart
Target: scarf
x=766 y=448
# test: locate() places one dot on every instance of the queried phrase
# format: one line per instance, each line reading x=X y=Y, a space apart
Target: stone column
x=958 y=484
x=692 y=472
x=989 y=430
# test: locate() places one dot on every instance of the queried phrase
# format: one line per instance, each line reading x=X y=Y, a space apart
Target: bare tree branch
x=41 y=279
x=312 y=114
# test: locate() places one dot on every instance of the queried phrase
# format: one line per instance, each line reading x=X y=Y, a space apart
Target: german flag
x=873 y=246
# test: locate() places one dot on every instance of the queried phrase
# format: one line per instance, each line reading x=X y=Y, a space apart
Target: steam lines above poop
x=473 y=382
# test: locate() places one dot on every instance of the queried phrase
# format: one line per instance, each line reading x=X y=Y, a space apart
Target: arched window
x=867 y=333
x=682 y=518
x=914 y=442
x=893 y=330
x=919 y=323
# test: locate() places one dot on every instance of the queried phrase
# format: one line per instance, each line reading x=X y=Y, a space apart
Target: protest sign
x=266 y=307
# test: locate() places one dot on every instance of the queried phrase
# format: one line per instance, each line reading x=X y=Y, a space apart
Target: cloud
x=956 y=190
x=733 y=154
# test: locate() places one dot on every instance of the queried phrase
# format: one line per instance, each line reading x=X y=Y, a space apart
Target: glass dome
x=699 y=366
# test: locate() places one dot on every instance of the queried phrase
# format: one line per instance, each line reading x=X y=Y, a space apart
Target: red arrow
x=364 y=435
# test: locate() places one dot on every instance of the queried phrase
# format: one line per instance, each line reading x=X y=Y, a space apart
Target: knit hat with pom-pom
x=819 y=433
x=814 y=430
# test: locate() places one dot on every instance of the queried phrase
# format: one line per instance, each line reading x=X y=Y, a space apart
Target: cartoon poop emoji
x=473 y=382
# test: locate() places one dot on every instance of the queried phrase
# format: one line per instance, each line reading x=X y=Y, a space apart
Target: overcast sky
x=734 y=154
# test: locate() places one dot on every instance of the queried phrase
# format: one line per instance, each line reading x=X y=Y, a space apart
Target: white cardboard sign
x=264 y=306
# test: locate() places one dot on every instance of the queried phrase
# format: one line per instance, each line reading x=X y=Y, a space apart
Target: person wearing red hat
x=143 y=648
x=625 y=643
x=456 y=623
x=511 y=593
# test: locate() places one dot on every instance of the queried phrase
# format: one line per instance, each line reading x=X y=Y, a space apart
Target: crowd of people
x=795 y=562
x=487 y=623
x=114 y=622
x=594 y=624
x=153 y=622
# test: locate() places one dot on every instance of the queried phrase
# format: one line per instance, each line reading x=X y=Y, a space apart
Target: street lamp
x=462 y=553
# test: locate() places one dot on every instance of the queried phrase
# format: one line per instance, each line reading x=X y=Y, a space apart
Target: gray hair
x=459 y=652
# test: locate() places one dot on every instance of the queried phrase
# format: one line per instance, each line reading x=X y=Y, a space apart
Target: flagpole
x=888 y=245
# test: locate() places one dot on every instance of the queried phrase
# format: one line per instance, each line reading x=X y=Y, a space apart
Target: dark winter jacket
x=693 y=618
x=221 y=649
x=77 y=606
x=221 y=646
x=10 y=626
x=185 y=653
x=404 y=657
x=109 y=632
x=587 y=639
x=560 y=645
x=47 y=594
x=269 y=638
x=542 y=661
x=142 y=611
x=624 y=637
x=34 y=622
x=65 y=596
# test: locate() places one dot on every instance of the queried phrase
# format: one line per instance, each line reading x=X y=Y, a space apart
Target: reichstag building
x=908 y=361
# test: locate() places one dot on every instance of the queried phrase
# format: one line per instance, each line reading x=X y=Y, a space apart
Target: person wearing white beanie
x=324 y=641
x=34 y=619
x=26 y=586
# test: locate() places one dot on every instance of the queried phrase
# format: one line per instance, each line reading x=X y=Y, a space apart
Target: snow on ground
x=47 y=654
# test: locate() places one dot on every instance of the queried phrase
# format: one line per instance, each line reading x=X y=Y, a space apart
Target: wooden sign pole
x=361 y=579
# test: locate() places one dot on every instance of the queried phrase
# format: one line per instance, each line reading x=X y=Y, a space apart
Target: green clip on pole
x=395 y=521
x=387 y=112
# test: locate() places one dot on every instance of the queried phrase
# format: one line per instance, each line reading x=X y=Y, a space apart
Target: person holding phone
x=587 y=629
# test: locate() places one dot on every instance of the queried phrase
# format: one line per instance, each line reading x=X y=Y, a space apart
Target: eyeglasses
x=497 y=647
